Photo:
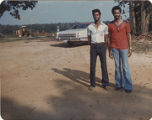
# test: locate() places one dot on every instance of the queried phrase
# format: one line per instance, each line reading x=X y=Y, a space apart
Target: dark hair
x=96 y=10
x=116 y=8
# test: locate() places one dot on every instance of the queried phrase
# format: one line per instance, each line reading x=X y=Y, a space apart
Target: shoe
x=128 y=91
x=118 y=88
x=104 y=86
x=91 y=87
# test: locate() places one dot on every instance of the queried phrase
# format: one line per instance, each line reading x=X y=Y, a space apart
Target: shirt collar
x=101 y=23
x=114 y=21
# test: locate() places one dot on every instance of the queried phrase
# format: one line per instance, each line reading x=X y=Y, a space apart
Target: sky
x=61 y=12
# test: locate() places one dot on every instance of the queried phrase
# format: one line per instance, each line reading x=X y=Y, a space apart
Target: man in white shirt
x=98 y=38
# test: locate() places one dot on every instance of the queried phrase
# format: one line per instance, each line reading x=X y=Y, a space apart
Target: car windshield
x=80 y=26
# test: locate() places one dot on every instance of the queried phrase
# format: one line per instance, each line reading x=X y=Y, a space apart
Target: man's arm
x=130 y=44
x=106 y=40
x=89 y=36
x=106 y=36
x=89 y=39
x=128 y=30
x=109 y=46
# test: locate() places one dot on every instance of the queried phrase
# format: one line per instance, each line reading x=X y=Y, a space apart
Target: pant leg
x=93 y=58
x=126 y=70
x=102 y=55
x=118 y=74
x=120 y=69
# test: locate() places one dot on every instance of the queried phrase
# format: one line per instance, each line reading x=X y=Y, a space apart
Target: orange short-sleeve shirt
x=118 y=34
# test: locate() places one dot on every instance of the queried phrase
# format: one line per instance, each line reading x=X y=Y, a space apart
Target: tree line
x=33 y=28
x=140 y=15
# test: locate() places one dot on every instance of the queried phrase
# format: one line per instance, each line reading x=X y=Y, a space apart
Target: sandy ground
x=48 y=80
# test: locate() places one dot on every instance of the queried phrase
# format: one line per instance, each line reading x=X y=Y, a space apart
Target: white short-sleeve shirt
x=97 y=34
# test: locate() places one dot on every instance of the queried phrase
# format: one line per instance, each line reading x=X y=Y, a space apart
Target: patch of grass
x=9 y=39
x=13 y=38
x=142 y=47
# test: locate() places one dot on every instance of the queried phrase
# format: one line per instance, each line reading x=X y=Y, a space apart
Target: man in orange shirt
x=120 y=48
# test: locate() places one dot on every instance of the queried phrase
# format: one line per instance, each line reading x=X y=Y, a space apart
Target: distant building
x=58 y=28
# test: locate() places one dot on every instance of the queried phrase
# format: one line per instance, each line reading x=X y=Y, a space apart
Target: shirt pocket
x=94 y=31
x=113 y=29
x=101 y=32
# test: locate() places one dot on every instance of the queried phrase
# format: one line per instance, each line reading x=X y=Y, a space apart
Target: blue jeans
x=122 y=72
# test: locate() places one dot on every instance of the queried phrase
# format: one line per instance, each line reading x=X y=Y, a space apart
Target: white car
x=78 y=32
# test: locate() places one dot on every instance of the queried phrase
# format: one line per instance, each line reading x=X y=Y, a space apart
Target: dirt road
x=48 y=80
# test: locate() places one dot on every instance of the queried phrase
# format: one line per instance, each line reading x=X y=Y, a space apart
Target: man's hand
x=129 y=52
x=111 y=54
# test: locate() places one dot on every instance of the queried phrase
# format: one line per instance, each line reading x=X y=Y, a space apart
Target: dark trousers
x=95 y=50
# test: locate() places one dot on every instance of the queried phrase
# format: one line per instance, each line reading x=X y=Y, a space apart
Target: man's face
x=116 y=14
x=96 y=16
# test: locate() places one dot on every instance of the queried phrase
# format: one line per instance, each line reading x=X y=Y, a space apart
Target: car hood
x=71 y=31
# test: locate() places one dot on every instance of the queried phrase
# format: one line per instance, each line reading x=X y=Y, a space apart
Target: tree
x=140 y=15
x=132 y=17
x=14 y=6
x=146 y=13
